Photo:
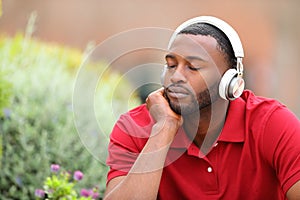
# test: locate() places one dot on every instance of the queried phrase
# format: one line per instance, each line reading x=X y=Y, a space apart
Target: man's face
x=193 y=72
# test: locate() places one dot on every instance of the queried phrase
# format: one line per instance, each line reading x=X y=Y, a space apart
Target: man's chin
x=184 y=109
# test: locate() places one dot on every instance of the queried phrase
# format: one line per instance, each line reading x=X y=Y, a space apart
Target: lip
x=177 y=92
x=177 y=95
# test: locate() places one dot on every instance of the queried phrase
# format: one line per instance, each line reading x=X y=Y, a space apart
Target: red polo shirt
x=257 y=155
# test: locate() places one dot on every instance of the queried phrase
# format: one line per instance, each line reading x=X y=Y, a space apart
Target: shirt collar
x=234 y=127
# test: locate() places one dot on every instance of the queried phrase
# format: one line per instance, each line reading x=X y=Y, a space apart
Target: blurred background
x=32 y=138
x=268 y=29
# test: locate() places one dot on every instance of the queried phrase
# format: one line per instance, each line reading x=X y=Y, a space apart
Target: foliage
x=60 y=185
x=37 y=128
x=5 y=92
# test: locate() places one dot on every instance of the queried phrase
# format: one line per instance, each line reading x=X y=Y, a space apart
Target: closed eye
x=194 y=68
x=171 y=66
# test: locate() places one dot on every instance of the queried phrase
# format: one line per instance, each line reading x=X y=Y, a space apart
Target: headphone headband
x=218 y=23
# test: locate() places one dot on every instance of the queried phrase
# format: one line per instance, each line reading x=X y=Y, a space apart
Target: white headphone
x=232 y=83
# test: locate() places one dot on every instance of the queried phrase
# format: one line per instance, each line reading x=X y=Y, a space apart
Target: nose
x=178 y=75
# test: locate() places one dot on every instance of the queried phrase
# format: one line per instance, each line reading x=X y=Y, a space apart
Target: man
x=201 y=136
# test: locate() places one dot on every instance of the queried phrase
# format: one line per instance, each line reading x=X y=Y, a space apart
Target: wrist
x=170 y=122
x=167 y=127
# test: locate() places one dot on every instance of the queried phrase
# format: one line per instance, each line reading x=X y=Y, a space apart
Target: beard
x=196 y=102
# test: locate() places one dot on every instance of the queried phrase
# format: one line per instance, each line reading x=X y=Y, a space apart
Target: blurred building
x=268 y=29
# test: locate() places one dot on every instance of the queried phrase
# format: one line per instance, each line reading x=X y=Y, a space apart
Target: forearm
x=294 y=192
x=142 y=181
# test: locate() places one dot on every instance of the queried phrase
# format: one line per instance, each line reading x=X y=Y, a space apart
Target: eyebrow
x=188 y=58
x=171 y=56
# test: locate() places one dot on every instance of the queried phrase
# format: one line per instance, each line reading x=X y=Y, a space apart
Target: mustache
x=176 y=85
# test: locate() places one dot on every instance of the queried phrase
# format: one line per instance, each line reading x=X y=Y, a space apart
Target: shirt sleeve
x=124 y=147
x=282 y=146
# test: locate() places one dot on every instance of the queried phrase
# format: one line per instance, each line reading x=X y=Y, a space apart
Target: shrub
x=5 y=94
x=38 y=128
x=60 y=185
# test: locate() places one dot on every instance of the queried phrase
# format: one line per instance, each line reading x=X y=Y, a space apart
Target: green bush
x=5 y=91
x=37 y=128
x=5 y=94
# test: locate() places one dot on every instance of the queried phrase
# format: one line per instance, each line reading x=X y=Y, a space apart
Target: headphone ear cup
x=231 y=86
x=235 y=88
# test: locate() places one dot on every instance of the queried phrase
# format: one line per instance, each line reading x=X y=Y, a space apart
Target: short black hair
x=224 y=44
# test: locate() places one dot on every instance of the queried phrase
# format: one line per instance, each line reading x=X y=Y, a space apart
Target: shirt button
x=209 y=169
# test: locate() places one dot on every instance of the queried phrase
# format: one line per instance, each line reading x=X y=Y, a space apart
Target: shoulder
x=281 y=131
x=138 y=116
x=267 y=114
x=274 y=126
x=133 y=127
x=258 y=110
x=267 y=122
x=257 y=104
x=251 y=113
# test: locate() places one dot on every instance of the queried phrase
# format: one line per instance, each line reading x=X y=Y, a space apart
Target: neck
x=205 y=126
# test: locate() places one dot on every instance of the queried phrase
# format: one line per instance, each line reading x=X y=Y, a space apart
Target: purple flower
x=19 y=180
x=78 y=175
x=39 y=193
x=86 y=192
x=55 y=168
x=89 y=193
x=7 y=112
x=95 y=195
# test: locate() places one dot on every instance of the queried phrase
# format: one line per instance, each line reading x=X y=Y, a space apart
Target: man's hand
x=160 y=110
